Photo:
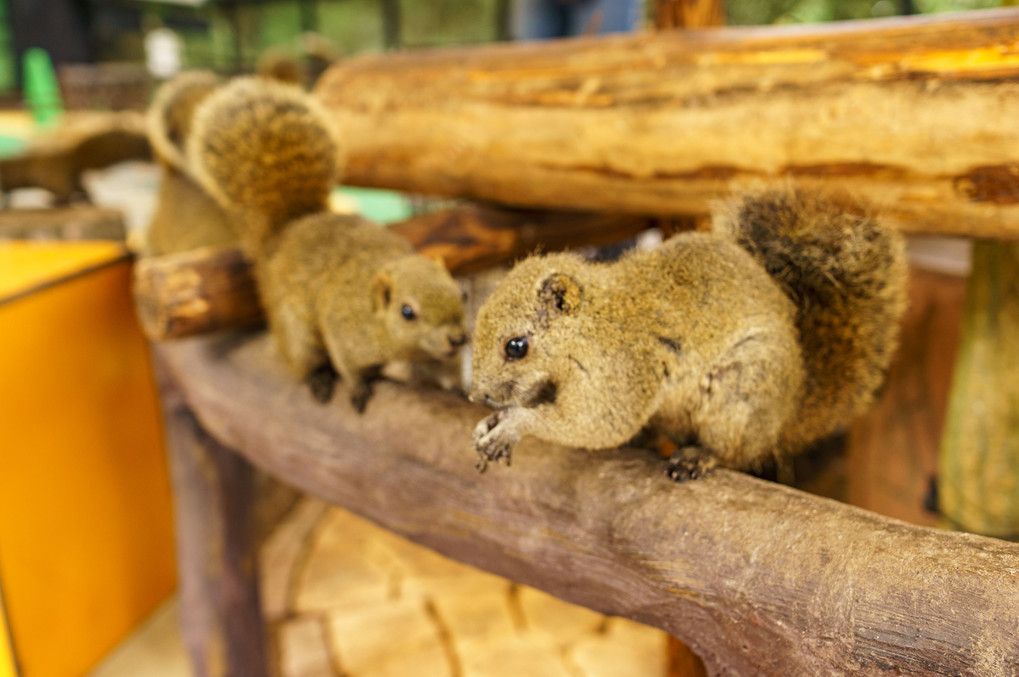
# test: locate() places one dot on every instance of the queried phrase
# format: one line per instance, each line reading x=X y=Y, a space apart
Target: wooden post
x=978 y=475
x=221 y=619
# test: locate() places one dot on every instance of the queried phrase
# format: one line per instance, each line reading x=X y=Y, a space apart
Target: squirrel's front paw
x=690 y=463
x=492 y=441
x=322 y=382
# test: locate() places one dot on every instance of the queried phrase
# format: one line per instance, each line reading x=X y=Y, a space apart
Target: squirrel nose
x=458 y=340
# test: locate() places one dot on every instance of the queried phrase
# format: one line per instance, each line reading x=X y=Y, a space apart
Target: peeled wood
x=209 y=289
x=916 y=114
x=756 y=578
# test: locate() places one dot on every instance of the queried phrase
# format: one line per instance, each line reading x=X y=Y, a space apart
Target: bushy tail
x=172 y=110
x=267 y=152
x=846 y=272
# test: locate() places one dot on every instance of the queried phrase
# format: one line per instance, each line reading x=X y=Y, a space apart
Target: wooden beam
x=756 y=578
x=207 y=289
x=63 y=223
x=913 y=113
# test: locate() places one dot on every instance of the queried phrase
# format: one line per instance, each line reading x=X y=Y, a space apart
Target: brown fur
x=334 y=286
x=733 y=359
x=185 y=216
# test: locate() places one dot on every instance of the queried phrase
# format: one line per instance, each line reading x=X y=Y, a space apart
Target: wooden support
x=978 y=473
x=220 y=618
x=757 y=578
x=914 y=113
x=208 y=289
x=68 y=223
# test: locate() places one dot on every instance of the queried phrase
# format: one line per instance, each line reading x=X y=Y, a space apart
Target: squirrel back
x=267 y=152
x=845 y=271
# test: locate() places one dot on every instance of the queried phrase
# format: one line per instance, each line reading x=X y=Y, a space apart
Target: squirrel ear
x=382 y=291
x=560 y=293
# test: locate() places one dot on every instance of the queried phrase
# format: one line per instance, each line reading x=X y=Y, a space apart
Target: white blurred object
x=163 y=50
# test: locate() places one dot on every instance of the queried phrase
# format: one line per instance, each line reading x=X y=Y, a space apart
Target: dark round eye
x=408 y=313
x=516 y=348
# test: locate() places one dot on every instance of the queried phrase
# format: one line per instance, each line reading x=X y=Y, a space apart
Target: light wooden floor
x=344 y=597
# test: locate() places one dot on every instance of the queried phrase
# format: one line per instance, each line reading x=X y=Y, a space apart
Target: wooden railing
x=756 y=578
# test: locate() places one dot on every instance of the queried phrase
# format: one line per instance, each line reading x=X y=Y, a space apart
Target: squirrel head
x=524 y=330
x=421 y=307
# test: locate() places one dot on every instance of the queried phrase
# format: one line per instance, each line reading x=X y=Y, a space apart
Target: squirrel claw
x=490 y=441
x=359 y=399
x=322 y=382
x=690 y=463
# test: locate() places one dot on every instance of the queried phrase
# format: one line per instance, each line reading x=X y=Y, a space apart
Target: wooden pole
x=915 y=113
x=220 y=617
x=978 y=474
x=757 y=578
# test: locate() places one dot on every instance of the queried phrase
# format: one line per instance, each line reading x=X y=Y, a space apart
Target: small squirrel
x=768 y=333
x=341 y=294
x=185 y=216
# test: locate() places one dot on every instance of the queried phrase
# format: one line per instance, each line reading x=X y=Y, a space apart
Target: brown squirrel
x=769 y=333
x=341 y=294
x=185 y=216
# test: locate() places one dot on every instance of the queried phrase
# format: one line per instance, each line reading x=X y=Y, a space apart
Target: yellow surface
x=6 y=659
x=24 y=264
x=84 y=496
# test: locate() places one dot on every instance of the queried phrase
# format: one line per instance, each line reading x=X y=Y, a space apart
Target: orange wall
x=85 y=522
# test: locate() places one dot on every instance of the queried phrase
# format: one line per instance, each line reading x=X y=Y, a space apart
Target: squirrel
x=768 y=333
x=185 y=216
x=343 y=296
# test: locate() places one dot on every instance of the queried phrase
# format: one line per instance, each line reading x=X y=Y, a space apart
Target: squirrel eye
x=516 y=348
x=408 y=313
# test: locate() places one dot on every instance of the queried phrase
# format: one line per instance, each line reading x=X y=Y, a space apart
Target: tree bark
x=208 y=289
x=757 y=578
x=221 y=618
x=915 y=113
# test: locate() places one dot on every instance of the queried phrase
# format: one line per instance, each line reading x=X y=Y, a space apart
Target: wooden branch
x=71 y=223
x=915 y=114
x=755 y=577
x=208 y=289
x=213 y=503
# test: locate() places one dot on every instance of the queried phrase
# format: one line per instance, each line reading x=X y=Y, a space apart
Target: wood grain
x=916 y=114
x=757 y=578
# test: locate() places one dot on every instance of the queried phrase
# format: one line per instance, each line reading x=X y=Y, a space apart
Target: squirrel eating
x=768 y=333
x=343 y=296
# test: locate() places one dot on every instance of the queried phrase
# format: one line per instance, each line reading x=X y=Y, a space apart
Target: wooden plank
x=914 y=113
x=213 y=288
x=756 y=578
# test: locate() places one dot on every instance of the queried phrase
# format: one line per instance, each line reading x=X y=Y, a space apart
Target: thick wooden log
x=757 y=578
x=916 y=114
x=978 y=473
x=220 y=609
x=68 y=223
x=209 y=289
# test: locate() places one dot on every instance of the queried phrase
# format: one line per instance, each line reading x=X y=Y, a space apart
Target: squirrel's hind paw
x=690 y=463
x=322 y=382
